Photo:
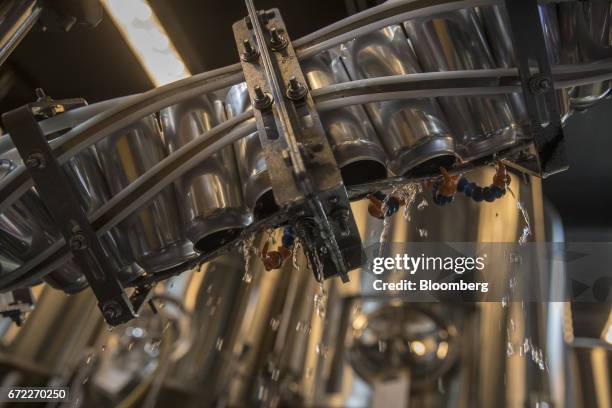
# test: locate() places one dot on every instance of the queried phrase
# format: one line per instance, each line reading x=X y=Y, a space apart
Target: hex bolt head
x=540 y=84
x=35 y=161
x=262 y=100
x=277 y=40
x=295 y=89
x=250 y=53
x=78 y=242
x=111 y=310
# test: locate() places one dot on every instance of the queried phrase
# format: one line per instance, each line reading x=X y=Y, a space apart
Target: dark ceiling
x=97 y=64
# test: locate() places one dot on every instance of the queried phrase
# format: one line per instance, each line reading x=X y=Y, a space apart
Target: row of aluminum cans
x=215 y=201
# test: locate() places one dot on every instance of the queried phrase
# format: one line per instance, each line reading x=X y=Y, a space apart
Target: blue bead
x=469 y=189
x=498 y=192
x=488 y=194
x=393 y=206
x=477 y=194
x=462 y=184
x=288 y=237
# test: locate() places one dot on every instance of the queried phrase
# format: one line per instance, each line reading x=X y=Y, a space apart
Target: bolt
x=277 y=40
x=250 y=53
x=295 y=89
x=111 y=310
x=342 y=218
x=78 y=242
x=539 y=84
x=35 y=161
x=262 y=100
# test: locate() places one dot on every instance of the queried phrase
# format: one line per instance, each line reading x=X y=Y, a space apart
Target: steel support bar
x=59 y=196
x=538 y=88
x=305 y=179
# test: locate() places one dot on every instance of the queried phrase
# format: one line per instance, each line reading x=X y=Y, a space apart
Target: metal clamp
x=303 y=172
x=56 y=192
x=548 y=152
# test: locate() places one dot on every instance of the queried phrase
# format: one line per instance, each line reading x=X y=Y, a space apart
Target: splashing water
x=528 y=349
x=322 y=350
x=247 y=249
x=408 y=193
x=527 y=227
x=320 y=300
x=294 y=259
x=423 y=205
x=274 y=324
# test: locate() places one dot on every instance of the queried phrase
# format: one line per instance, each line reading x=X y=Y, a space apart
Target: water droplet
x=423 y=232
x=382 y=346
x=85 y=380
x=275 y=375
x=89 y=359
x=504 y=300
x=422 y=205
x=509 y=349
x=247 y=277
x=274 y=324
x=322 y=350
x=309 y=372
x=219 y=344
x=527 y=227
x=130 y=346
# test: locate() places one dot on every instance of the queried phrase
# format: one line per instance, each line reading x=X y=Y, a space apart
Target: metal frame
x=56 y=191
x=408 y=86
x=538 y=89
x=305 y=178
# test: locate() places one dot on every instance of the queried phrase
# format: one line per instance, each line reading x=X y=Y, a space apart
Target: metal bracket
x=303 y=172
x=538 y=90
x=56 y=192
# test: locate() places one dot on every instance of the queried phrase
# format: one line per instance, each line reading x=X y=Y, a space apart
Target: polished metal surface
x=250 y=159
x=17 y=18
x=455 y=41
x=586 y=36
x=153 y=233
x=26 y=228
x=209 y=199
x=358 y=152
x=413 y=132
x=499 y=38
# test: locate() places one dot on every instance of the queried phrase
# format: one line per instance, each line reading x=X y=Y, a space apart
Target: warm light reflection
x=148 y=40
x=418 y=348
x=607 y=332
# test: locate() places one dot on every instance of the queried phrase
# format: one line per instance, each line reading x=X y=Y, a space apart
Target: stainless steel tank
x=414 y=132
x=210 y=200
x=153 y=232
x=455 y=41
